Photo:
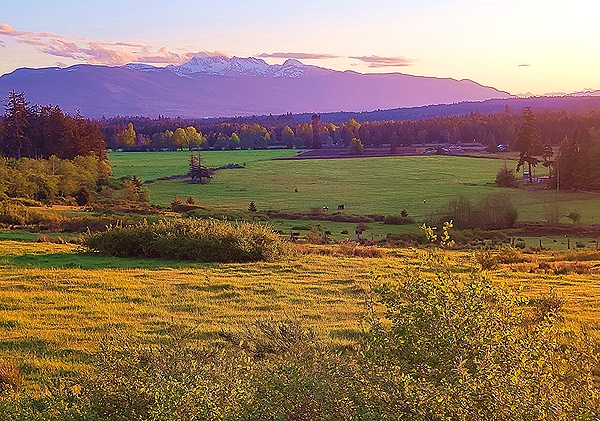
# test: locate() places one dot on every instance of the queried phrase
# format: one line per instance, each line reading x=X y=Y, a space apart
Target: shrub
x=506 y=178
x=191 y=239
x=225 y=215
x=176 y=202
x=508 y=255
x=486 y=258
x=352 y=248
x=11 y=214
x=398 y=220
x=494 y=211
x=575 y=217
x=467 y=350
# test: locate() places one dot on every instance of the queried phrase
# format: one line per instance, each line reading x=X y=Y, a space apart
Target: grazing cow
x=325 y=208
x=341 y=207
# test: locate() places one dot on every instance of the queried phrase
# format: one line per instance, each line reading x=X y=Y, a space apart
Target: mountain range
x=222 y=86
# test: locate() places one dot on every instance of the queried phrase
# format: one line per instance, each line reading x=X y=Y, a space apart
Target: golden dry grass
x=53 y=318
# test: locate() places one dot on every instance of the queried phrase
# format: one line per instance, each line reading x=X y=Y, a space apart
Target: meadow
x=64 y=310
x=386 y=185
x=61 y=304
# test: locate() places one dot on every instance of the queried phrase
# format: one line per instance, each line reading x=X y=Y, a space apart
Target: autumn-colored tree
x=193 y=137
x=179 y=138
x=234 y=141
x=356 y=147
x=304 y=131
x=127 y=138
x=288 y=136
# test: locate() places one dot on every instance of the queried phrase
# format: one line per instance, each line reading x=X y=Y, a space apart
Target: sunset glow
x=536 y=46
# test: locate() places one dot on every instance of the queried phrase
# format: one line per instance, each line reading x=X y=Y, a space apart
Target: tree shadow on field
x=89 y=260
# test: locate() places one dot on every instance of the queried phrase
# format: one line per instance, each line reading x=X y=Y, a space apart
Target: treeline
x=577 y=166
x=53 y=180
x=284 y=132
x=172 y=134
x=42 y=131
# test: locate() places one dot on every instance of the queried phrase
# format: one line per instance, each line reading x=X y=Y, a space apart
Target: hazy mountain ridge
x=220 y=86
x=572 y=103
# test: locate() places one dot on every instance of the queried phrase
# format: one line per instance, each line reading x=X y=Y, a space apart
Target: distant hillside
x=225 y=87
x=570 y=103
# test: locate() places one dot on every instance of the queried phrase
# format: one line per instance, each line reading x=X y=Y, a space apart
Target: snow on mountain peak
x=250 y=66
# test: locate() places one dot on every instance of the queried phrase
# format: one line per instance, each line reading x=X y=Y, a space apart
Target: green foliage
x=191 y=239
x=494 y=211
x=225 y=215
x=51 y=180
x=399 y=220
x=42 y=131
x=252 y=207
x=576 y=164
x=506 y=178
x=12 y=214
x=527 y=142
x=467 y=350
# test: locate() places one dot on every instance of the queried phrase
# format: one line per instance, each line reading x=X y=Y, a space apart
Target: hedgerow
x=191 y=239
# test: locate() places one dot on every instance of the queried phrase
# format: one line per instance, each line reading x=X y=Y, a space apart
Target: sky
x=517 y=46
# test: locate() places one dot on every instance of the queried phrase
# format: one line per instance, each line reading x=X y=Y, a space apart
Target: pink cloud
x=165 y=55
x=299 y=56
x=7 y=30
x=378 y=61
x=100 y=53
x=92 y=51
x=63 y=48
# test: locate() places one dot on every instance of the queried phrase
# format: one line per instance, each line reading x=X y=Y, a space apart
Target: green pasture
x=151 y=165
x=387 y=185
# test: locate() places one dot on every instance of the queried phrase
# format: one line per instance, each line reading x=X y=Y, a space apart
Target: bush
x=468 y=350
x=225 y=215
x=486 y=258
x=398 y=220
x=506 y=178
x=177 y=201
x=11 y=214
x=191 y=239
x=492 y=212
x=352 y=248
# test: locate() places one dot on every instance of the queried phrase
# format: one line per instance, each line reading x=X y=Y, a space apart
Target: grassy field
x=60 y=305
x=418 y=184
